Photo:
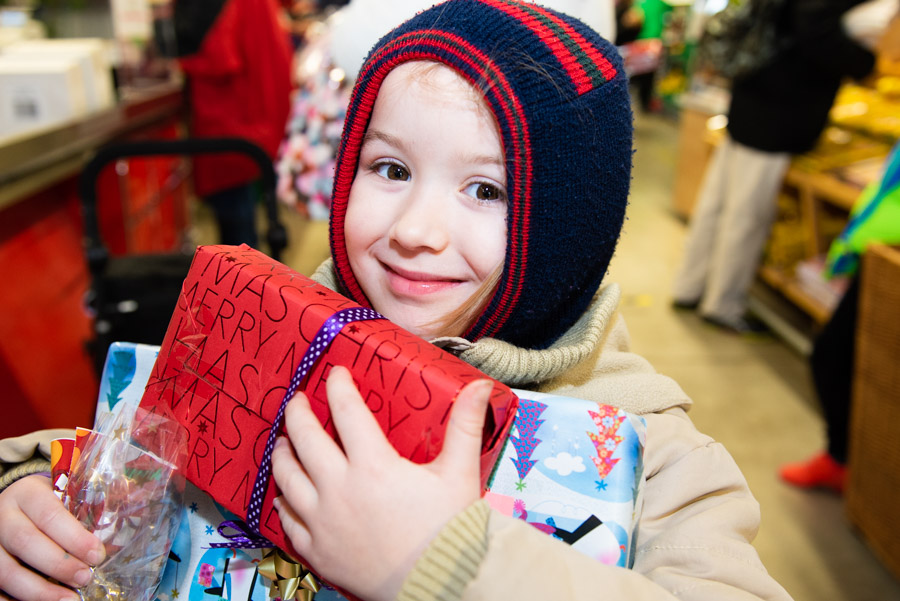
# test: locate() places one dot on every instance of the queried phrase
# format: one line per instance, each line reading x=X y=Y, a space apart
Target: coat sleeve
x=693 y=542
x=28 y=454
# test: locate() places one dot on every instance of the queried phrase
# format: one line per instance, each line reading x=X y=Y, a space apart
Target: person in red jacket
x=236 y=55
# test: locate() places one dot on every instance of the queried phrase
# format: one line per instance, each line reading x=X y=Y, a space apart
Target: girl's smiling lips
x=413 y=283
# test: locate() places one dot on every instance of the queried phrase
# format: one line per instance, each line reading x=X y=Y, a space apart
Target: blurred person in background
x=236 y=55
x=629 y=21
x=875 y=217
x=775 y=112
x=654 y=22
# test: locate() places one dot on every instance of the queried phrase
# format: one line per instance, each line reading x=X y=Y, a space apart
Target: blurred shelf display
x=874 y=110
x=47 y=82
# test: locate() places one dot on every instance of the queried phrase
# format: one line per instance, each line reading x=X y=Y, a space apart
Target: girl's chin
x=423 y=327
x=422 y=331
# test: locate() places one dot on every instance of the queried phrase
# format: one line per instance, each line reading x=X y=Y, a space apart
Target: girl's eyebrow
x=484 y=159
x=375 y=135
x=380 y=136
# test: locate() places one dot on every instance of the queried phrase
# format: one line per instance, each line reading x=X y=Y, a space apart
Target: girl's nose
x=421 y=224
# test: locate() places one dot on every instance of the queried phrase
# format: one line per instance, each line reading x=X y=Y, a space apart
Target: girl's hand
x=363 y=515
x=36 y=530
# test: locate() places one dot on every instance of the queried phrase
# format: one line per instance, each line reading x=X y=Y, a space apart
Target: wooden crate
x=873 y=485
x=694 y=151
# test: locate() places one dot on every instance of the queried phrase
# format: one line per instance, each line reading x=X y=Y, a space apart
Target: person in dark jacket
x=776 y=112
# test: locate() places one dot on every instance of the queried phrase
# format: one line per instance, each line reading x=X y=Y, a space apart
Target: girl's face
x=426 y=218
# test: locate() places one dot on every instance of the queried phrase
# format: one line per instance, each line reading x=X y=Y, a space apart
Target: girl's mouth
x=412 y=283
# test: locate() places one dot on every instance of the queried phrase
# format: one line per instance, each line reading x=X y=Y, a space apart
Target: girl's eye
x=392 y=171
x=486 y=192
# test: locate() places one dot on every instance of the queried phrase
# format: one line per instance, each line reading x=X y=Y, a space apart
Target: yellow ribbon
x=291 y=580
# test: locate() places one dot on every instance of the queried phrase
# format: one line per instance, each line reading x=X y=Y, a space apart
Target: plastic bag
x=126 y=486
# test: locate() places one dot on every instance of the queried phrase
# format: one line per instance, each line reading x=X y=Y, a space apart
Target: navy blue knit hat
x=559 y=94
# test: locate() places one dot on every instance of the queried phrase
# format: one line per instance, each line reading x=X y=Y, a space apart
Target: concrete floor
x=753 y=395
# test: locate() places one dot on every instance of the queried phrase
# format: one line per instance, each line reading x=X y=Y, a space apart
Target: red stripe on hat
x=343 y=181
x=602 y=63
x=576 y=72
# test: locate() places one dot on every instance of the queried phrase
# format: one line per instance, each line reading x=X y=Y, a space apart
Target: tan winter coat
x=28 y=454
x=698 y=519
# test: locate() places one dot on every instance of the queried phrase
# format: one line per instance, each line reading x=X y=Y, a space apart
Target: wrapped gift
x=212 y=555
x=574 y=470
x=127 y=488
x=125 y=374
x=571 y=468
x=248 y=332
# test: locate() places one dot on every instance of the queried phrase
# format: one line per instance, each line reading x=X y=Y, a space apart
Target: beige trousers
x=729 y=226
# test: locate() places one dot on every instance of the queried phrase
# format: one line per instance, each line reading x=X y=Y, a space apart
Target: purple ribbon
x=326 y=334
x=240 y=537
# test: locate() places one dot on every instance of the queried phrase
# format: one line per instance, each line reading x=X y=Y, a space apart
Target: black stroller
x=132 y=297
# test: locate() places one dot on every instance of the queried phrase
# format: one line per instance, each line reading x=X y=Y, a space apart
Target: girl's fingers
x=357 y=427
x=294 y=527
x=44 y=555
x=292 y=479
x=44 y=535
x=48 y=513
x=314 y=448
x=22 y=584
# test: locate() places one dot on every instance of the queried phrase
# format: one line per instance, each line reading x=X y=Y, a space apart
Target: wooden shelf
x=812 y=190
x=825 y=186
x=792 y=290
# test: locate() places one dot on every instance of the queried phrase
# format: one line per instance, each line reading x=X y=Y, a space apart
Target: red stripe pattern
x=563 y=41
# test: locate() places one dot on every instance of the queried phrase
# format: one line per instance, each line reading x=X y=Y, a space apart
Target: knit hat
x=559 y=94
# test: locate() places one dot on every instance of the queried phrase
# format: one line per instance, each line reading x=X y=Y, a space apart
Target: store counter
x=34 y=161
x=46 y=375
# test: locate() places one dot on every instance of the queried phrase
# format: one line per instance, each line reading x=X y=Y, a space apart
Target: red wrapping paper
x=241 y=327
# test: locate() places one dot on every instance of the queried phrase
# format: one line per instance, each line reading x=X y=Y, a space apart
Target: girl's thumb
x=462 y=441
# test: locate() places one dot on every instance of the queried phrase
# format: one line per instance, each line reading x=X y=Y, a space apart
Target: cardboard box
x=92 y=56
x=243 y=326
x=39 y=92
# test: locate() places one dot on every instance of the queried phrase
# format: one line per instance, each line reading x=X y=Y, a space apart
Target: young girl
x=479 y=193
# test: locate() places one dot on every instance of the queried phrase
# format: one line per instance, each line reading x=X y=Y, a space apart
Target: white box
x=93 y=58
x=39 y=92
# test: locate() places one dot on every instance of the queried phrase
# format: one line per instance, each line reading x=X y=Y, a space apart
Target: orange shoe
x=820 y=471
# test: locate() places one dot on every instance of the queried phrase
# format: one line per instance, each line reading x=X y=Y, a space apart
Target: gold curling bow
x=291 y=580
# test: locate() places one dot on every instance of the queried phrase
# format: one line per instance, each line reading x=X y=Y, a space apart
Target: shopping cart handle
x=87 y=184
